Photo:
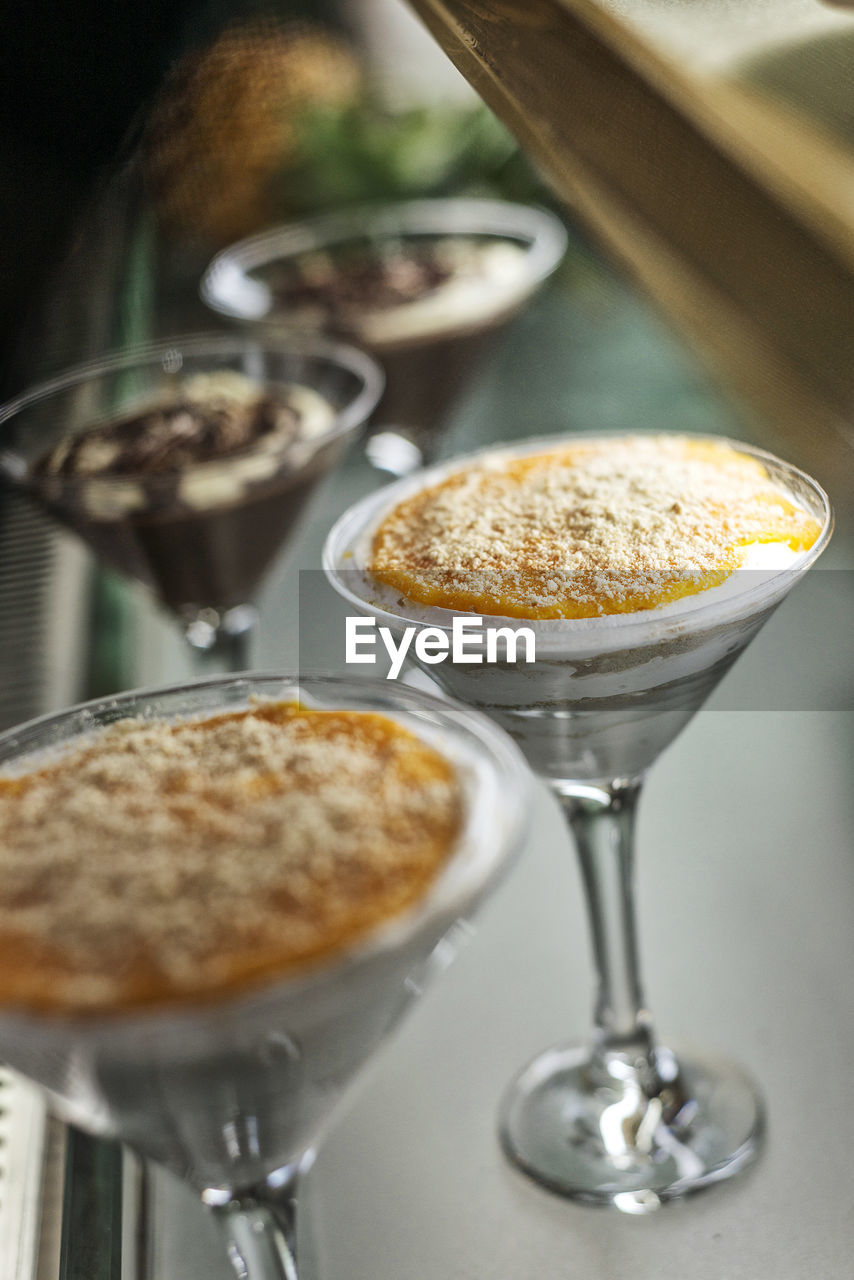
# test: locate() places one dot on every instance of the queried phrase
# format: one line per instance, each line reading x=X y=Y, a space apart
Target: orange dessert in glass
x=162 y=861
x=587 y=529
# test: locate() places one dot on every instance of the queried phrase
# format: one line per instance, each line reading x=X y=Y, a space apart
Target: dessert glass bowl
x=426 y=365
x=623 y=1120
x=231 y=1095
x=204 y=558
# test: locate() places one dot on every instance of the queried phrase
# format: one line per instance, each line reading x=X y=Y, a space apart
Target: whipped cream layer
x=485 y=281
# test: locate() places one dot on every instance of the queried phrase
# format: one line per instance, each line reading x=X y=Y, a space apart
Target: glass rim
x=542 y=232
x=355 y=524
x=341 y=354
x=511 y=785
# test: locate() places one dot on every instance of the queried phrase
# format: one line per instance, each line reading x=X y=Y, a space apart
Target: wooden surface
x=734 y=210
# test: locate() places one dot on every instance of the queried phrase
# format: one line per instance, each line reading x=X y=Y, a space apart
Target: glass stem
x=260 y=1234
x=221 y=640
x=602 y=822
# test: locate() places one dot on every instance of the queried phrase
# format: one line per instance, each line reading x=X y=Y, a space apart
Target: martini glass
x=428 y=347
x=231 y=1096
x=621 y=1120
x=200 y=535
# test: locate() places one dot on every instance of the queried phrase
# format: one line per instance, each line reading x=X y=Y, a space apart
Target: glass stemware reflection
x=201 y=534
x=622 y=1120
x=233 y=1094
x=460 y=271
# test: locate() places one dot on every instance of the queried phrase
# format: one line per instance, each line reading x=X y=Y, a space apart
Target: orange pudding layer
x=596 y=527
x=164 y=861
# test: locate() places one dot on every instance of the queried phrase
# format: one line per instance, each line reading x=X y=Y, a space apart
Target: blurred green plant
x=364 y=152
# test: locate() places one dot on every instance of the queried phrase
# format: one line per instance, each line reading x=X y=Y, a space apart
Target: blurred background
x=136 y=142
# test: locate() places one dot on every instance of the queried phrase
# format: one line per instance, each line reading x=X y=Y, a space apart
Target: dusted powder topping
x=598 y=527
x=162 y=861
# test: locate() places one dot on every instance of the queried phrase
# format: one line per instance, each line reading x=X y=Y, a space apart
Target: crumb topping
x=164 y=860
x=598 y=527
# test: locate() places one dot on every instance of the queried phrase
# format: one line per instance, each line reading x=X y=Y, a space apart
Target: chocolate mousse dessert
x=193 y=493
x=428 y=307
x=424 y=286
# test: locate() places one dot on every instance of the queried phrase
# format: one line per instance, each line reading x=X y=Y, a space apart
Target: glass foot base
x=589 y=1129
x=220 y=639
x=394 y=452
